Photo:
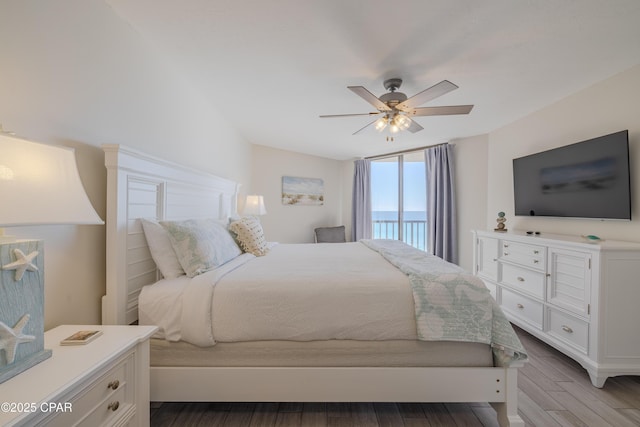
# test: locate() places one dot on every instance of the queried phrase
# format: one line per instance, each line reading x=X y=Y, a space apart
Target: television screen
x=589 y=179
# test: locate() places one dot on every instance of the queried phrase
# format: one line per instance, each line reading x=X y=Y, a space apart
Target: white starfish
x=11 y=337
x=22 y=263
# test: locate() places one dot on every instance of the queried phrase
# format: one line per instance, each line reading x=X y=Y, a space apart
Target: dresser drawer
x=90 y=404
x=524 y=280
x=569 y=330
x=532 y=256
x=521 y=307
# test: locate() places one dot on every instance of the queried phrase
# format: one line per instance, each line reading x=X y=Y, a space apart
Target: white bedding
x=330 y=291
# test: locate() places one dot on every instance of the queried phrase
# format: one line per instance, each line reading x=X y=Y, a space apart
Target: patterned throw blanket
x=451 y=304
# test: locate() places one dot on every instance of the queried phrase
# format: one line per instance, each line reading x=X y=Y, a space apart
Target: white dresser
x=102 y=383
x=582 y=298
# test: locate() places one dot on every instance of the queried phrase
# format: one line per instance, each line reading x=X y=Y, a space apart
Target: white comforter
x=296 y=292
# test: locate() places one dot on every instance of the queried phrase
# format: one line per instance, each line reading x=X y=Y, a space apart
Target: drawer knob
x=520 y=306
x=506 y=253
x=536 y=252
x=567 y=329
x=535 y=261
x=506 y=245
x=114 y=406
x=113 y=384
x=520 y=279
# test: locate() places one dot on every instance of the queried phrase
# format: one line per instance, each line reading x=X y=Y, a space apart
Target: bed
x=271 y=339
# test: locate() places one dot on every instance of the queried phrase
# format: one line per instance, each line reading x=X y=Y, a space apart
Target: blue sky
x=384 y=185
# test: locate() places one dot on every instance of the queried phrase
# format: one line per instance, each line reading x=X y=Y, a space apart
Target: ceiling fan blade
x=369 y=97
x=441 y=111
x=427 y=95
x=363 y=128
x=414 y=127
x=349 y=115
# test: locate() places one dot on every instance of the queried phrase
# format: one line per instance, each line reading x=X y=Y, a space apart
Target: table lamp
x=39 y=184
x=254 y=206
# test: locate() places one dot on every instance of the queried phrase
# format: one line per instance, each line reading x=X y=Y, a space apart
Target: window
x=399 y=198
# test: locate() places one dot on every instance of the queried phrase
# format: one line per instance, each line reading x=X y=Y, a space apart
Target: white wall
x=470 y=163
x=606 y=107
x=290 y=223
x=73 y=73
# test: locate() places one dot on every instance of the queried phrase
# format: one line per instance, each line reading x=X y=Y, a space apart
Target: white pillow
x=201 y=244
x=161 y=249
x=250 y=235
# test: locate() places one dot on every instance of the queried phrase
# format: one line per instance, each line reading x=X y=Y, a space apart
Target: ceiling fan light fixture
x=402 y=122
x=380 y=124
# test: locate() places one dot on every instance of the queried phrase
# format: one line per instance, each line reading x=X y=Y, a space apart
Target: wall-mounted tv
x=589 y=179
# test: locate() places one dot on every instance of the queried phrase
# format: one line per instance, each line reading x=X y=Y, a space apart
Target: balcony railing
x=414 y=232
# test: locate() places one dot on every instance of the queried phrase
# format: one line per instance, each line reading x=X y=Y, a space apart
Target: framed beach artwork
x=302 y=191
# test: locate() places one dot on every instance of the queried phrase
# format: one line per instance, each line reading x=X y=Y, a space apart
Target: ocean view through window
x=398 y=195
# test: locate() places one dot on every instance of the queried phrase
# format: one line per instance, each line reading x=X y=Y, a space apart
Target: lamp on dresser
x=39 y=184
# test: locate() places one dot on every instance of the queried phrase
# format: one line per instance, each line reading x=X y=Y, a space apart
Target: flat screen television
x=589 y=179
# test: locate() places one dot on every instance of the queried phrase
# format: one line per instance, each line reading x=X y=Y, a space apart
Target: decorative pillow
x=161 y=249
x=201 y=244
x=250 y=235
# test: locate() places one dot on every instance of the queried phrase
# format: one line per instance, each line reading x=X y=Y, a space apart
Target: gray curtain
x=361 y=202
x=442 y=233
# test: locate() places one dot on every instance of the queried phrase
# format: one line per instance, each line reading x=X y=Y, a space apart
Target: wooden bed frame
x=139 y=185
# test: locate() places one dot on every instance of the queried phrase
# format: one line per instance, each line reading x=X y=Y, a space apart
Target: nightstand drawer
x=525 y=280
x=523 y=308
x=568 y=329
x=532 y=256
x=116 y=407
x=90 y=404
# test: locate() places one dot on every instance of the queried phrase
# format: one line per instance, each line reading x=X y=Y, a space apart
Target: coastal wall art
x=298 y=191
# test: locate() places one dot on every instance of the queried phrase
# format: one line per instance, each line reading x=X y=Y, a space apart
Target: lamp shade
x=40 y=184
x=254 y=205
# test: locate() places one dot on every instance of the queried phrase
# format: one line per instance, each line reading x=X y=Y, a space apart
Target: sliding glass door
x=398 y=198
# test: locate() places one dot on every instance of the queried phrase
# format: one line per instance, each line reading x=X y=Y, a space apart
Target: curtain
x=361 y=203
x=442 y=234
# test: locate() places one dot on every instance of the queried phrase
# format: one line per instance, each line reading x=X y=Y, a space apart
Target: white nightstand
x=103 y=382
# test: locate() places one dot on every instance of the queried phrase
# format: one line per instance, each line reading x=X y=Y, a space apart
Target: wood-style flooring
x=553 y=391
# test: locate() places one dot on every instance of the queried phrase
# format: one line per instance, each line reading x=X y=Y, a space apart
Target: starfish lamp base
x=21 y=307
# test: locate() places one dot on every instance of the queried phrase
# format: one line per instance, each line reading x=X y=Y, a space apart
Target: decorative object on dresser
x=103 y=383
x=39 y=185
x=500 y=226
x=580 y=297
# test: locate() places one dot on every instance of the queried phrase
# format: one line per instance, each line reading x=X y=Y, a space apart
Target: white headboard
x=143 y=186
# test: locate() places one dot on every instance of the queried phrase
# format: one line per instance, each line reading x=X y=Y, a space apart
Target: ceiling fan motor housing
x=393 y=98
x=392 y=84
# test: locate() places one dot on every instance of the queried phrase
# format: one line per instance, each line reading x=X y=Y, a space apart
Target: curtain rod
x=410 y=150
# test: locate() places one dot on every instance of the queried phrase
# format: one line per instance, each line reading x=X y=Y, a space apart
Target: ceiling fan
x=396 y=109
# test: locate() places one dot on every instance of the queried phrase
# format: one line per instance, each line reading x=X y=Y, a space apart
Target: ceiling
x=272 y=67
